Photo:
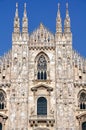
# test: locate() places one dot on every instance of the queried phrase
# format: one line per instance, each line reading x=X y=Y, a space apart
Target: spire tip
x=66 y=5
x=58 y=5
x=25 y=5
x=16 y=5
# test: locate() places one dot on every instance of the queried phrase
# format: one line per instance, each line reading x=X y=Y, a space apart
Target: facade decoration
x=42 y=79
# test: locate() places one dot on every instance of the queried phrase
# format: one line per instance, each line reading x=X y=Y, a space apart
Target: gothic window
x=0 y=126
x=82 y=100
x=42 y=68
x=84 y=126
x=41 y=106
x=2 y=100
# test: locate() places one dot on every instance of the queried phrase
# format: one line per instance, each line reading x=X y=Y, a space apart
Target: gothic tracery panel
x=82 y=100
x=2 y=100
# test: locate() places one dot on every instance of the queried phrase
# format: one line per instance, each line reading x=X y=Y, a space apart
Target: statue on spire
x=25 y=13
x=58 y=22
x=67 y=27
x=25 y=21
x=16 y=14
x=67 y=12
x=16 y=21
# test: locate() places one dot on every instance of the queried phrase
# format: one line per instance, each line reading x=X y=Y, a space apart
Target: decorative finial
x=66 y=5
x=16 y=14
x=25 y=14
x=67 y=12
x=24 y=5
x=25 y=21
x=58 y=6
x=41 y=26
x=67 y=26
x=58 y=10
x=16 y=5
x=58 y=21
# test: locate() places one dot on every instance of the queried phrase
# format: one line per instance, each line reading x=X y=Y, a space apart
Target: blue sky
x=43 y=11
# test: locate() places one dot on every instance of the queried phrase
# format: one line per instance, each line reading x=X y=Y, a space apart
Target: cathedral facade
x=42 y=79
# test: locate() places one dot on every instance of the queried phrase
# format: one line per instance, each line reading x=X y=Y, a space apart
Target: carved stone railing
x=36 y=120
x=40 y=45
x=79 y=84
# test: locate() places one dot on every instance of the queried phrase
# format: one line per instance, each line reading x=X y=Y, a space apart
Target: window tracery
x=82 y=100
x=42 y=68
x=2 y=100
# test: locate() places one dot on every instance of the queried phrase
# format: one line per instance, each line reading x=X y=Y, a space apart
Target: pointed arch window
x=2 y=100
x=82 y=100
x=42 y=68
x=42 y=106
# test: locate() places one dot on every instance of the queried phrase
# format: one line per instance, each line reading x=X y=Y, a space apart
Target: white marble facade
x=42 y=79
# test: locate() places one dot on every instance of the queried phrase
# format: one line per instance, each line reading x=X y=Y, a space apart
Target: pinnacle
x=41 y=26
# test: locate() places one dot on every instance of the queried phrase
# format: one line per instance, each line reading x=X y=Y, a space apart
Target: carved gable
x=42 y=35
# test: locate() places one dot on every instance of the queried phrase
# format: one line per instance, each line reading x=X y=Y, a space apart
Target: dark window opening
x=0 y=126
x=84 y=126
x=38 y=75
x=45 y=75
x=82 y=100
x=41 y=106
x=80 y=77
x=2 y=100
x=42 y=75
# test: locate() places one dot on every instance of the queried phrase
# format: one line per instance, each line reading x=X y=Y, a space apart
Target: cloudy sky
x=43 y=11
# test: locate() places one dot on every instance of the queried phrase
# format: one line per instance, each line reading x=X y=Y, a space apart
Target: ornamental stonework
x=42 y=79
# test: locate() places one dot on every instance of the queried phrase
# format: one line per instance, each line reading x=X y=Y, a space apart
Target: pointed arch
x=44 y=54
x=82 y=99
x=2 y=99
x=42 y=66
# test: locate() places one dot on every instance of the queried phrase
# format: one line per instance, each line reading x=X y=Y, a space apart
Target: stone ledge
x=36 y=120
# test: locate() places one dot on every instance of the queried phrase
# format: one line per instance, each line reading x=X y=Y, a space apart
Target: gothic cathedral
x=42 y=79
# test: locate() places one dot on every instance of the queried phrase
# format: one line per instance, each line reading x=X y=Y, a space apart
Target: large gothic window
x=84 y=126
x=2 y=100
x=41 y=106
x=0 y=126
x=82 y=100
x=42 y=68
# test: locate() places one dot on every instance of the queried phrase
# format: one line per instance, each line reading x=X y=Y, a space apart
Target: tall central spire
x=25 y=21
x=16 y=21
x=58 y=22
